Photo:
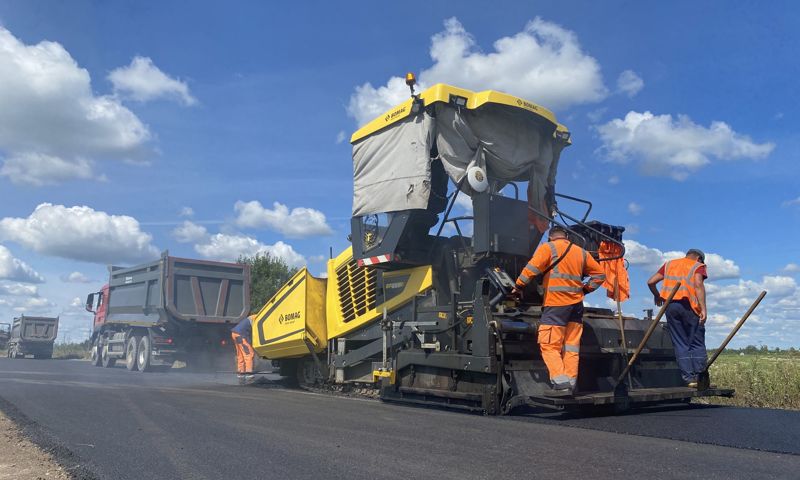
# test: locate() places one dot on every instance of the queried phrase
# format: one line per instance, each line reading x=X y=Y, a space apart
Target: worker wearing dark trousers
x=686 y=314
x=561 y=325
x=242 y=335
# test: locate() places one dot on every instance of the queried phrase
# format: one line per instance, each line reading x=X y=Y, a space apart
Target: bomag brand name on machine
x=528 y=105
x=289 y=318
x=434 y=324
x=394 y=114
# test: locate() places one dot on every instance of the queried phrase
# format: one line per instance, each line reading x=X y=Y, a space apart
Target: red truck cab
x=96 y=303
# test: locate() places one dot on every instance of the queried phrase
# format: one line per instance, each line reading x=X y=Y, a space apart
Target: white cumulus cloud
x=635 y=209
x=674 y=147
x=629 y=83
x=75 y=277
x=186 y=212
x=39 y=169
x=52 y=125
x=300 y=222
x=19 y=290
x=12 y=268
x=229 y=248
x=791 y=268
x=29 y=305
x=80 y=233
x=791 y=203
x=189 y=232
x=651 y=259
x=143 y=81
x=544 y=63
x=18 y=298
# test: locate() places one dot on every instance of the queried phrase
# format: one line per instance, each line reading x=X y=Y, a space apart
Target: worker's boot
x=559 y=390
x=249 y=379
x=241 y=378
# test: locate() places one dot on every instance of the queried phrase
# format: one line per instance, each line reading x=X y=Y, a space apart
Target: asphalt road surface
x=127 y=425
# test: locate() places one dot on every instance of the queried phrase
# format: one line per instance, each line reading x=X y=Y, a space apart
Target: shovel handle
x=736 y=328
x=648 y=334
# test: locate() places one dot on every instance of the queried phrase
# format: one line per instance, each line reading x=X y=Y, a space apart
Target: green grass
x=764 y=380
x=68 y=351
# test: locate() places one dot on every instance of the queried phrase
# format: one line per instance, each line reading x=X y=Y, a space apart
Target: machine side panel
x=353 y=293
x=293 y=320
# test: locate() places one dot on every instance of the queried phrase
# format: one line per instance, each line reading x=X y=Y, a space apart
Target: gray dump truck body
x=180 y=291
x=32 y=336
x=167 y=310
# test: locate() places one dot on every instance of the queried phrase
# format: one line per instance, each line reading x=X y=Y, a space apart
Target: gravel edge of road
x=75 y=467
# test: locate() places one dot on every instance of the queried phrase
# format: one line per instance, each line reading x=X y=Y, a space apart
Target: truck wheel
x=108 y=361
x=145 y=350
x=97 y=353
x=132 y=353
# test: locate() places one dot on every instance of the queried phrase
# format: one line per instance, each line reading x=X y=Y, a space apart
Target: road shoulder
x=29 y=453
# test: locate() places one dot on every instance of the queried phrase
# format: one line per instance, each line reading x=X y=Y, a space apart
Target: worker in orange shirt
x=564 y=265
x=242 y=335
x=686 y=314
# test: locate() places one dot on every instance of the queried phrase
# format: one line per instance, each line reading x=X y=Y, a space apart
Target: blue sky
x=204 y=105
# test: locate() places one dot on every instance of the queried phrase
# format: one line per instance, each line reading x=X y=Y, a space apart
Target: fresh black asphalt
x=125 y=425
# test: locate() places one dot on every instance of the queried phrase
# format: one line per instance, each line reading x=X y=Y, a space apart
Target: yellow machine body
x=472 y=101
x=307 y=311
x=292 y=322
x=353 y=297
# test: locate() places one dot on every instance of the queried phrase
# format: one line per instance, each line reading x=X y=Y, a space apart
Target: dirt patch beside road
x=21 y=458
x=28 y=451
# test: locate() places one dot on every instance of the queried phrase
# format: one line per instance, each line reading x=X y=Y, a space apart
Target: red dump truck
x=151 y=315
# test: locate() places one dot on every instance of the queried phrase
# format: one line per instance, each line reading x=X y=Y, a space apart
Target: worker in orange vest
x=242 y=335
x=686 y=314
x=564 y=265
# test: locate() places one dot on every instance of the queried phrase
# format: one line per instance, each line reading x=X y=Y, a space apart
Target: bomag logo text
x=288 y=318
x=394 y=114
x=528 y=105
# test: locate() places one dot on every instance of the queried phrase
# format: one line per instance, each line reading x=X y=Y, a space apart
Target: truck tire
x=132 y=353
x=97 y=353
x=145 y=350
x=108 y=361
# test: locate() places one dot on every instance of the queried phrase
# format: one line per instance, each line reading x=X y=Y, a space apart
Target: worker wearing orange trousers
x=564 y=265
x=242 y=335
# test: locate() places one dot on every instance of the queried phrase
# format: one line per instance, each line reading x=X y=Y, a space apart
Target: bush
x=267 y=275
x=68 y=351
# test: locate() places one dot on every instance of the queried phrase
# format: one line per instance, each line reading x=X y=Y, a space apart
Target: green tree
x=267 y=275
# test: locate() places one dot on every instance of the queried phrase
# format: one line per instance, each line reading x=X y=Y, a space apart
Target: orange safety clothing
x=560 y=348
x=559 y=338
x=572 y=348
x=563 y=284
x=682 y=271
x=245 y=355
x=615 y=271
x=551 y=342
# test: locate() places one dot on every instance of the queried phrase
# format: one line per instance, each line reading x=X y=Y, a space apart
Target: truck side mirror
x=90 y=303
